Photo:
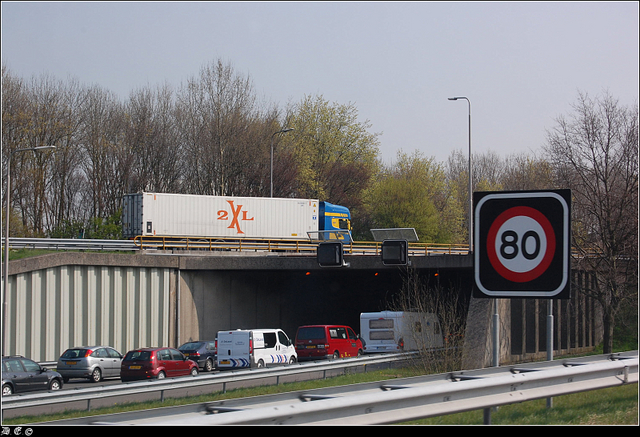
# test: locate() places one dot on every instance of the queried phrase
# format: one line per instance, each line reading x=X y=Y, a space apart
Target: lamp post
x=496 y=315
x=272 y=136
x=470 y=177
x=6 y=235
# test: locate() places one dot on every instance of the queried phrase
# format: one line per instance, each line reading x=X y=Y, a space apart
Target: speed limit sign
x=522 y=244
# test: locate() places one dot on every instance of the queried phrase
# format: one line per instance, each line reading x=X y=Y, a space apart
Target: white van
x=395 y=331
x=254 y=348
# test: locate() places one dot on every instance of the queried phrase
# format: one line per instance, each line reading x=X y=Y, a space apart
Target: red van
x=315 y=342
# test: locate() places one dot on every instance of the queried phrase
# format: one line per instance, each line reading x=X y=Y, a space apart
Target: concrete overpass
x=70 y=299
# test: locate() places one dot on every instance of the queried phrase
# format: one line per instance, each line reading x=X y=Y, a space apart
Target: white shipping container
x=190 y=215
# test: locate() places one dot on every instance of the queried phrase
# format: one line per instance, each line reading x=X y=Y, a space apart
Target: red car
x=156 y=363
x=315 y=342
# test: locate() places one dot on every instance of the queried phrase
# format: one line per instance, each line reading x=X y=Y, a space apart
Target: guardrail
x=283 y=245
x=225 y=245
x=223 y=378
x=70 y=244
x=399 y=400
x=238 y=245
x=402 y=401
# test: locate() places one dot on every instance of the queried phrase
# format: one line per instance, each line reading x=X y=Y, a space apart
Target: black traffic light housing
x=330 y=254
x=395 y=252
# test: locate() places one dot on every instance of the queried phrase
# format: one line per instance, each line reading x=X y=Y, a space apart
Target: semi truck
x=396 y=331
x=189 y=215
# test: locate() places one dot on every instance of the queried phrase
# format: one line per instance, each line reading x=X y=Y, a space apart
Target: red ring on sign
x=546 y=259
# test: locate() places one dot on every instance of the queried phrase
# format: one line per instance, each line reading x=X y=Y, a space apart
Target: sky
x=520 y=64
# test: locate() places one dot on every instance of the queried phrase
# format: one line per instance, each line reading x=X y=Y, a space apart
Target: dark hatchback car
x=21 y=375
x=156 y=363
x=202 y=352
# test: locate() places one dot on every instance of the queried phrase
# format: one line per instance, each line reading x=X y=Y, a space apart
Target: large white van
x=254 y=348
x=395 y=331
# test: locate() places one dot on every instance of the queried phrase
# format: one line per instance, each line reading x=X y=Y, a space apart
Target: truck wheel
x=336 y=355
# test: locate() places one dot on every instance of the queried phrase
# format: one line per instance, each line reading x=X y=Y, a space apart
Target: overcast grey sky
x=520 y=64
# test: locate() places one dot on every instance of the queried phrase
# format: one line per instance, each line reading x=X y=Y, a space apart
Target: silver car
x=93 y=362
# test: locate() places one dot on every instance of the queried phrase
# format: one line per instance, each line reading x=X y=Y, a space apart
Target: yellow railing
x=285 y=246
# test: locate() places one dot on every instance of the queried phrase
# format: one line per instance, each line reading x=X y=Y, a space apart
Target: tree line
x=213 y=135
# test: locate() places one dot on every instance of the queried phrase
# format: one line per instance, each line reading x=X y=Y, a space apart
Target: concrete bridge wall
x=71 y=299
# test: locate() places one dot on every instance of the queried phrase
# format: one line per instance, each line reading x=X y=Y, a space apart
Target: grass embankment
x=611 y=406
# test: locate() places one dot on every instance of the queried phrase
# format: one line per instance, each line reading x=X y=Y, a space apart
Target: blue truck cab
x=335 y=218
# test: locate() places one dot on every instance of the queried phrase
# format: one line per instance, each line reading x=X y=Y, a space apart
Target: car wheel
x=208 y=366
x=260 y=363
x=96 y=375
x=292 y=360
x=55 y=384
x=161 y=375
x=7 y=390
x=194 y=371
x=336 y=355
x=360 y=353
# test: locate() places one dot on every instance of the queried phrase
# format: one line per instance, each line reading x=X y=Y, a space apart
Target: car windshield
x=74 y=353
x=315 y=333
x=190 y=346
x=138 y=355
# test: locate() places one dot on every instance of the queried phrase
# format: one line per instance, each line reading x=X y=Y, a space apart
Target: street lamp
x=470 y=177
x=496 y=315
x=272 y=136
x=6 y=235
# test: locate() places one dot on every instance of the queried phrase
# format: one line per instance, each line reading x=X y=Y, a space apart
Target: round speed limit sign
x=521 y=244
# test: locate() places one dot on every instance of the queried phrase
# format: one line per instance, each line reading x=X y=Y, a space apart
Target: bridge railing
x=284 y=245
x=239 y=245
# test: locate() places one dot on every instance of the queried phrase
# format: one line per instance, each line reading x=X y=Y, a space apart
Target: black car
x=202 y=352
x=20 y=374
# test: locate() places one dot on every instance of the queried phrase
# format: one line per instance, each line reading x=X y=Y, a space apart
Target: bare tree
x=152 y=160
x=101 y=138
x=67 y=179
x=15 y=122
x=524 y=172
x=426 y=294
x=34 y=114
x=595 y=154
x=215 y=111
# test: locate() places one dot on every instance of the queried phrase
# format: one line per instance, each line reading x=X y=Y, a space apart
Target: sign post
x=522 y=245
